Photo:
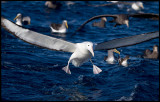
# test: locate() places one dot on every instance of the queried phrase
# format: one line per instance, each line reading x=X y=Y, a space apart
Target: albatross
x=151 y=55
x=123 y=61
x=59 y=28
x=101 y=23
x=120 y=19
x=81 y=52
x=20 y=20
x=110 y=58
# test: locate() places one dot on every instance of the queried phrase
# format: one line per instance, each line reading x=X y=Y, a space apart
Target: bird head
x=104 y=18
x=89 y=46
x=65 y=22
x=18 y=16
x=140 y=4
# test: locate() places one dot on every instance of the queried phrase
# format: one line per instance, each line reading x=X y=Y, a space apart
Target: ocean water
x=31 y=73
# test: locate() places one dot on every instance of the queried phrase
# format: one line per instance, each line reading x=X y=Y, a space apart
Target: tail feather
x=66 y=69
x=96 y=70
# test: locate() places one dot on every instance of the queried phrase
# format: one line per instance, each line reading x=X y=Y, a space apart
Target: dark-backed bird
x=123 y=61
x=20 y=20
x=101 y=23
x=134 y=5
x=81 y=52
x=59 y=28
x=120 y=19
x=53 y=4
x=110 y=58
x=151 y=55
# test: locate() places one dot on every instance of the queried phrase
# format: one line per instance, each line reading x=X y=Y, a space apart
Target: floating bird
x=110 y=58
x=134 y=5
x=53 y=4
x=81 y=52
x=101 y=23
x=22 y=20
x=123 y=61
x=120 y=19
x=59 y=28
x=151 y=55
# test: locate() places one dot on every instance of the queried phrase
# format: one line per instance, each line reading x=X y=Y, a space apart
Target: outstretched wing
x=127 y=41
x=95 y=17
x=146 y=15
x=37 y=38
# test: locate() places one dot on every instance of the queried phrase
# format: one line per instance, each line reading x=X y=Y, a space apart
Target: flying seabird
x=151 y=55
x=59 y=28
x=123 y=61
x=134 y=5
x=81 y=51
x=53 y=4
x=120 y=19
x=101 y=23
x=22 y=20
x=110 y=58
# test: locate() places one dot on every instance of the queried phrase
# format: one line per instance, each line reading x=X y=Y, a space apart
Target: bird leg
x=96 y=70
x=66 y=68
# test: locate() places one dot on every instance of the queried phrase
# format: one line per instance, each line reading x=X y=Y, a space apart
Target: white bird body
x=137 y=6
x=124 y=63
x=19 y=22
x=110 y=60
x=83 y=53
x=62 y=30
x=59 y=28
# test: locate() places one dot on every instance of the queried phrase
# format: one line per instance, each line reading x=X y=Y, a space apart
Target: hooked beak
x=91 y=50
x=66 y=25
x=16 y=17
x=142 y=6
x=116 y=51
x=29 y=22
x=127 y=23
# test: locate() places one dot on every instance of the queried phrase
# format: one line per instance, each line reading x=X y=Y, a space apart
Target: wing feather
x=37 y=38
x=127 y=41
x=95 y=17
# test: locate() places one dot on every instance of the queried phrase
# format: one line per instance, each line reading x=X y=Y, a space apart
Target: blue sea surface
x=32 y=73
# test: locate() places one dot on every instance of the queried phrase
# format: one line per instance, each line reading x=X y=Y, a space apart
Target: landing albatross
x=81 y=51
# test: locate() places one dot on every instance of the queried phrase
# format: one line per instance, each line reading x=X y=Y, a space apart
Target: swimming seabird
x=123 y=61
x=81 y=51
x=101 y=23
x=59 y=28
x=151 y=55
x=110 y=58
x=134 y=5
x=120 y=19
x=53 y=4
x=22 y=20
